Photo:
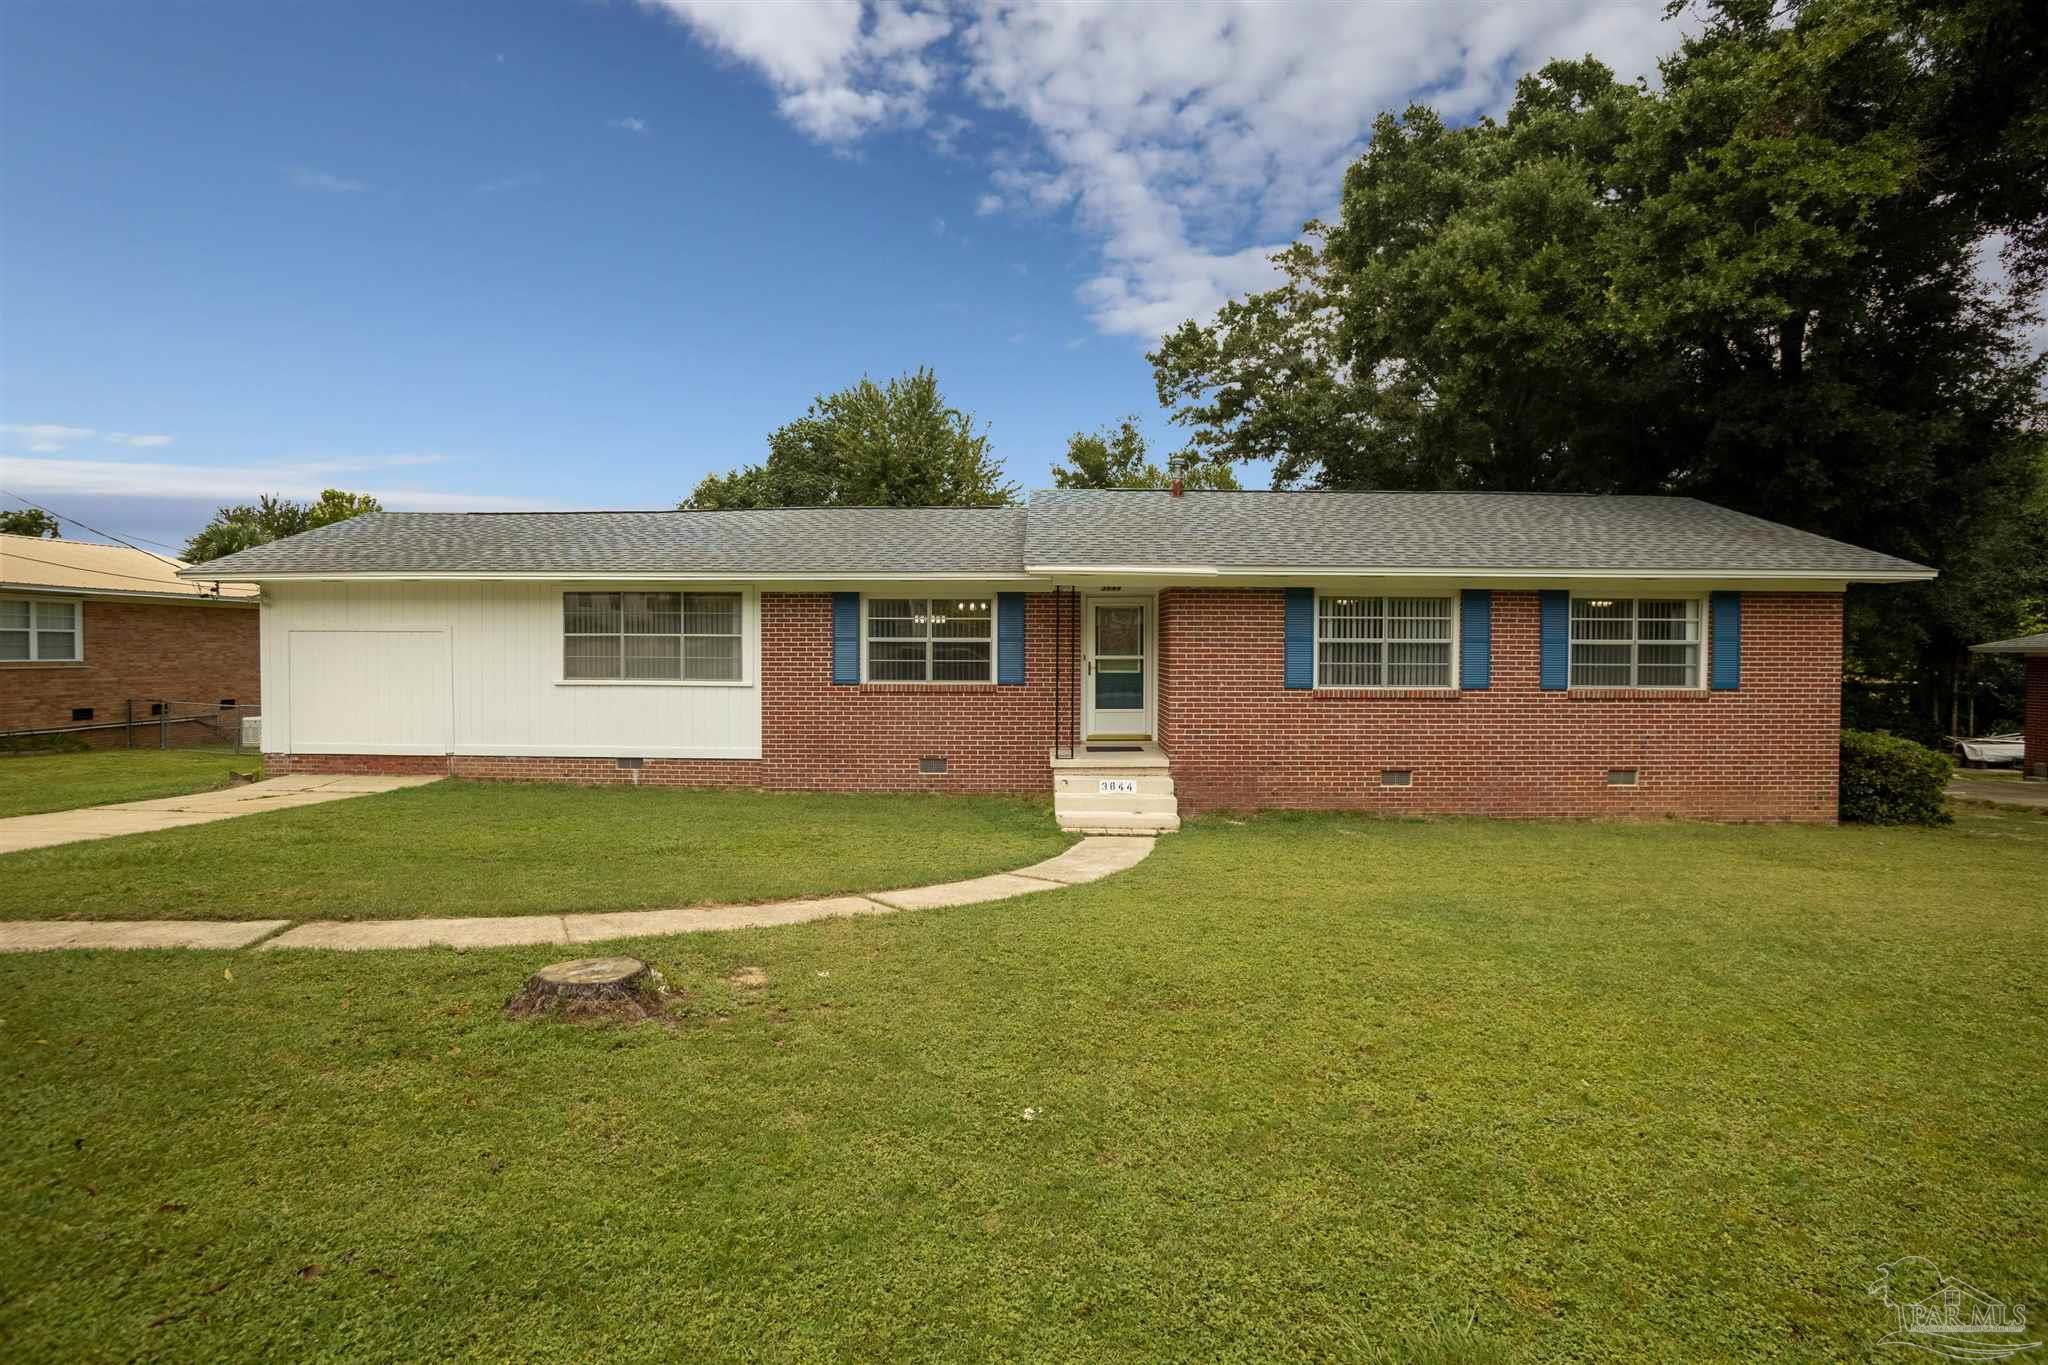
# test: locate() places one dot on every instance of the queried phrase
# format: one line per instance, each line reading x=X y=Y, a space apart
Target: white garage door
x=369 y=692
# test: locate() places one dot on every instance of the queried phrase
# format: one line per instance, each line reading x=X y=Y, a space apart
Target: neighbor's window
x=651 y=636
x=33 y=631
x=1635 y=642
x=1383 y=641
x=917 y=639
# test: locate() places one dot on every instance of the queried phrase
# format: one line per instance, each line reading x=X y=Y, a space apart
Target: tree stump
x=613 y=987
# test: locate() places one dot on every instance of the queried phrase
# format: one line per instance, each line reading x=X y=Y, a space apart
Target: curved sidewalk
x=1091 y=859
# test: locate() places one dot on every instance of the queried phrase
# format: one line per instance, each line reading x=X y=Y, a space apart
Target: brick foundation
x=1238 y=738
x=190 y=652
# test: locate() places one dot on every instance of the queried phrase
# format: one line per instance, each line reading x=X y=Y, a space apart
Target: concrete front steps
x=1082 y=805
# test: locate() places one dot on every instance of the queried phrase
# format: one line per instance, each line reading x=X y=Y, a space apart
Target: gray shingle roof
x=1380 y=531
x=1332 y=532
x=2025 y=644
x=808 y=540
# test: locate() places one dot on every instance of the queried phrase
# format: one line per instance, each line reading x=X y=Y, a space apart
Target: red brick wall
x=2036 y=730
x=816 y=736
x=1238 y=738
x=181 y=651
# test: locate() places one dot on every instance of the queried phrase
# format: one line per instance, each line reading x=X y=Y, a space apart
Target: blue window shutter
x=1475 y=639
x=1725 y=640
x=1301 y=637
x=1010 y=638
x=845 y=637
x=1555 y=672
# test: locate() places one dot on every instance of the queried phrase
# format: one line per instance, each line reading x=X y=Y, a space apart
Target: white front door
x=1117 y=654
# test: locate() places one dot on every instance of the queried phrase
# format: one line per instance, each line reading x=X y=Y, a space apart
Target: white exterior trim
x=1039 y=577
x=204 y=599
x=1480 y=576
x=643 y=579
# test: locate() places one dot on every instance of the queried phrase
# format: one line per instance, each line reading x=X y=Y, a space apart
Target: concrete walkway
x=174 y=812
x=2002 y=791
x=1086 y=861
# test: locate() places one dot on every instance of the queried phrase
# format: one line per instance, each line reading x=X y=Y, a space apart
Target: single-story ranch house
x=1141 y=653
x=94 y=636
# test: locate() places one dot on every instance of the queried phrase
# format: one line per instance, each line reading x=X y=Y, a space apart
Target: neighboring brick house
x=1140 y=654
x=86 y=630
x=2034 y=728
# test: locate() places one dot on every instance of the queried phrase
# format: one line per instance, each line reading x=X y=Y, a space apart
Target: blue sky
x=578 y=254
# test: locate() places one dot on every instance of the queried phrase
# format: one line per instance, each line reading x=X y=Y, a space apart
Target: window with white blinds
x=1635 y=642
x=917 y=639
x=1383 y=641
x=651 y=636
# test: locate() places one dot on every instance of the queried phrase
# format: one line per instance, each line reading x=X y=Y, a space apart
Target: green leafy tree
x=272 y=517
x=1758 y=284
x=1114 y=457
x=29 y=521
x=869 y=446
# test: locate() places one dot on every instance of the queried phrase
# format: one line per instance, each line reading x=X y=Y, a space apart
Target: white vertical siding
x=502 y=691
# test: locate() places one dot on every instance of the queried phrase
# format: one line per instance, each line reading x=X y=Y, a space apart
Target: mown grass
x=45 y=782
x=1305 y=1086
x=470 y=848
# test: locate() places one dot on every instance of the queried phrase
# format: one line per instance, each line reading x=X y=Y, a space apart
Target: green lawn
x=1300 y=1087
x=29 y=786
x=471 y=848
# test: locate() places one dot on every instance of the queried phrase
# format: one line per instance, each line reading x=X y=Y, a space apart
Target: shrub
x=1891 y=781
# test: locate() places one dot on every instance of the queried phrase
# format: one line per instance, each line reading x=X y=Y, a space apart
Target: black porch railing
x=1066 y=658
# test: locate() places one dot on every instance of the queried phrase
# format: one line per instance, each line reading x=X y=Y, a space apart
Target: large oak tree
x=1763 y=283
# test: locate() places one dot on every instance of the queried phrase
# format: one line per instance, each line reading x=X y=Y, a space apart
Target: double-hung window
x=1383 y=641
x=919 y=639
x=34 y=631
x=651 y=637
x=1635 y=642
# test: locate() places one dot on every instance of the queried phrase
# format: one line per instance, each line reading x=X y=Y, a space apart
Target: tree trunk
x=1792 y=348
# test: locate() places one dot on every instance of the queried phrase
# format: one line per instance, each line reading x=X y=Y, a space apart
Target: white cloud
x=326 y=182
x=1190 y=140
x=47 y=436
x=839 y=68
x=631 y=125
x=938 y=227
x=303 y=479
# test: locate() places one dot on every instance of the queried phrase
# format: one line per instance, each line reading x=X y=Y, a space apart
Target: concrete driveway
x=2004 y=791
x=174 y=812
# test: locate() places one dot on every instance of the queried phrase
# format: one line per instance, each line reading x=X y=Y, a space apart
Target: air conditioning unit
x=252 y=732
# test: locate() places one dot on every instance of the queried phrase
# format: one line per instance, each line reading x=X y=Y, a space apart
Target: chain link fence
x=150 y=723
